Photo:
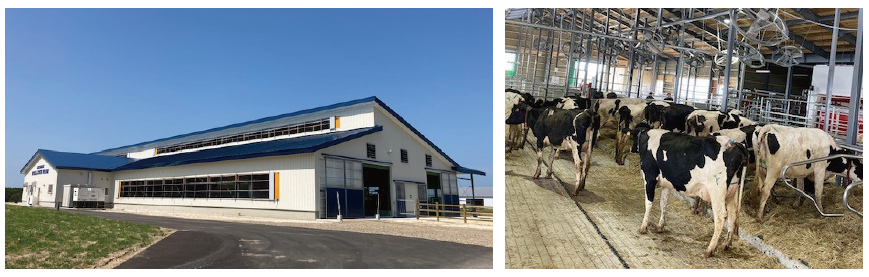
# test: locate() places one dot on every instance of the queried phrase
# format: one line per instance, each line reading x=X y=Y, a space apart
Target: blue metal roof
x=66 y=160
x=290 y=146
x=455 y=167
x=261 y=120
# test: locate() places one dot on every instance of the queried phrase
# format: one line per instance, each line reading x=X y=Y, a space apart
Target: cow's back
x=556 y=124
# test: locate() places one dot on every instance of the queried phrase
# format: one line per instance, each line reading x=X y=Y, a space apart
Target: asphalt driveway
x=217 y=244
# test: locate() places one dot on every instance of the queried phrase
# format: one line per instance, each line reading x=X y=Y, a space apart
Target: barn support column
x=536 y=61
x=711 y=85
x=550 y=38
x=588 y=54
x=731 y=40
x=631 y=63
x=519 y=55
x=602 y=58
x=830 y=74
x=557 y=50
x=856 y=84
x=570 y=51
x=788 y=89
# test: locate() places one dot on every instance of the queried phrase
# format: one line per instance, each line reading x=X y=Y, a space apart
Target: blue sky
x=84 y=80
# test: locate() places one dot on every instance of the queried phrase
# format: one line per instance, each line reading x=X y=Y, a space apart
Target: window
x=234 y=186
x=311 y=126
x=403 y=156
x=50 y=187
x=428 y=160
x=370 y=149
x=511 y=63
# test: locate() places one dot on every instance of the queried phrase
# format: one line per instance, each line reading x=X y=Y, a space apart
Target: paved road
x=215 y=244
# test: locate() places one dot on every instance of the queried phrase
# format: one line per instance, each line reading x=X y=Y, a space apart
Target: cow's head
x=635 y=135
x=518 y=113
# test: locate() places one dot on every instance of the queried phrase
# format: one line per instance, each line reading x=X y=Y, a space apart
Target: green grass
x=45 y=238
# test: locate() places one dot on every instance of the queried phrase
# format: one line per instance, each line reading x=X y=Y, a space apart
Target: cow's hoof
x=659 y=229
x=758 y=220
x=641 y=231
x=707 y=254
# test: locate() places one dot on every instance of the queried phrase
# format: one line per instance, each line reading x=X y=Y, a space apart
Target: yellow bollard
x=464 y=216
x=437 y=211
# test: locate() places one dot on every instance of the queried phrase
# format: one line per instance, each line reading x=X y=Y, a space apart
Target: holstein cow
x=701 y=123
x=742 y=135
x=628 y=116
x=565 y=130
x=778 y=146
x=608 y=108
x=514 y=132
x=654 y=113
x=736 y=120
x=693 y=166
x=673 y=118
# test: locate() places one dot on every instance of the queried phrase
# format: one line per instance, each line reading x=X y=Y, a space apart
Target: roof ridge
x=264 y=119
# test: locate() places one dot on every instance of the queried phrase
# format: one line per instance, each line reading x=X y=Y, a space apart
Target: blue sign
x=39 y=172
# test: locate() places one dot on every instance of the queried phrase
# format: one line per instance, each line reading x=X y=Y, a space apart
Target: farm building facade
x=359 y=156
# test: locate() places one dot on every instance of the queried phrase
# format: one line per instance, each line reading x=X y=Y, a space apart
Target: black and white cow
x=707 y=167
x=654 y=113
x=778 y=146
x=608 y=109
x=701 y=123
x=565 y=130
x=514 y=131
x=611 y=95
x=628 y=116
x=736 y=120
x=673 y=118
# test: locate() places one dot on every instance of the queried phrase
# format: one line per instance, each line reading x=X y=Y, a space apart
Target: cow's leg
x=718 y=215
x=765 y=190
x=552 y=157
x=733 y=218
x=801 y=186
x=578 y=164
x=650 y=181
x=819 y=187
x=522 y=139
x=539 y=162
x=665 y=194
x=586 y=165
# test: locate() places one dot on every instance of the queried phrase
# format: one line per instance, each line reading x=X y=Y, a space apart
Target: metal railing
x=803 y=193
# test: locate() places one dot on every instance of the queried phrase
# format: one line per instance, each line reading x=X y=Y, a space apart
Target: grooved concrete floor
x=545 y=227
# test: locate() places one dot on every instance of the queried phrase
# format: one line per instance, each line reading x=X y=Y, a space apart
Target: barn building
x=358 y=155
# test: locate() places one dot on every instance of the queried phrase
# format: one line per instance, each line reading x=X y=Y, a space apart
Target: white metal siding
x=42 y=182
x=297 y=182
x=99 y=179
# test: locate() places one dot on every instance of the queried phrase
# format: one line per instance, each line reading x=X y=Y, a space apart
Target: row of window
x=372 y=154
x=312 y=126
x=240 y=186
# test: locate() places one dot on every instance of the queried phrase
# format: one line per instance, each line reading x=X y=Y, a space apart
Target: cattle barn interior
x=796 y=67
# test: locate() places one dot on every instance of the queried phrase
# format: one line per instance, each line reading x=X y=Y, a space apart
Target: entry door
x=406 y=203
x=344 y=188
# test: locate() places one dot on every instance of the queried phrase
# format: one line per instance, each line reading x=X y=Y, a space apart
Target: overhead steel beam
x=808 y=14
x=705 y=29
x=707 y=16
x=626 y=23
x=600 y=35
